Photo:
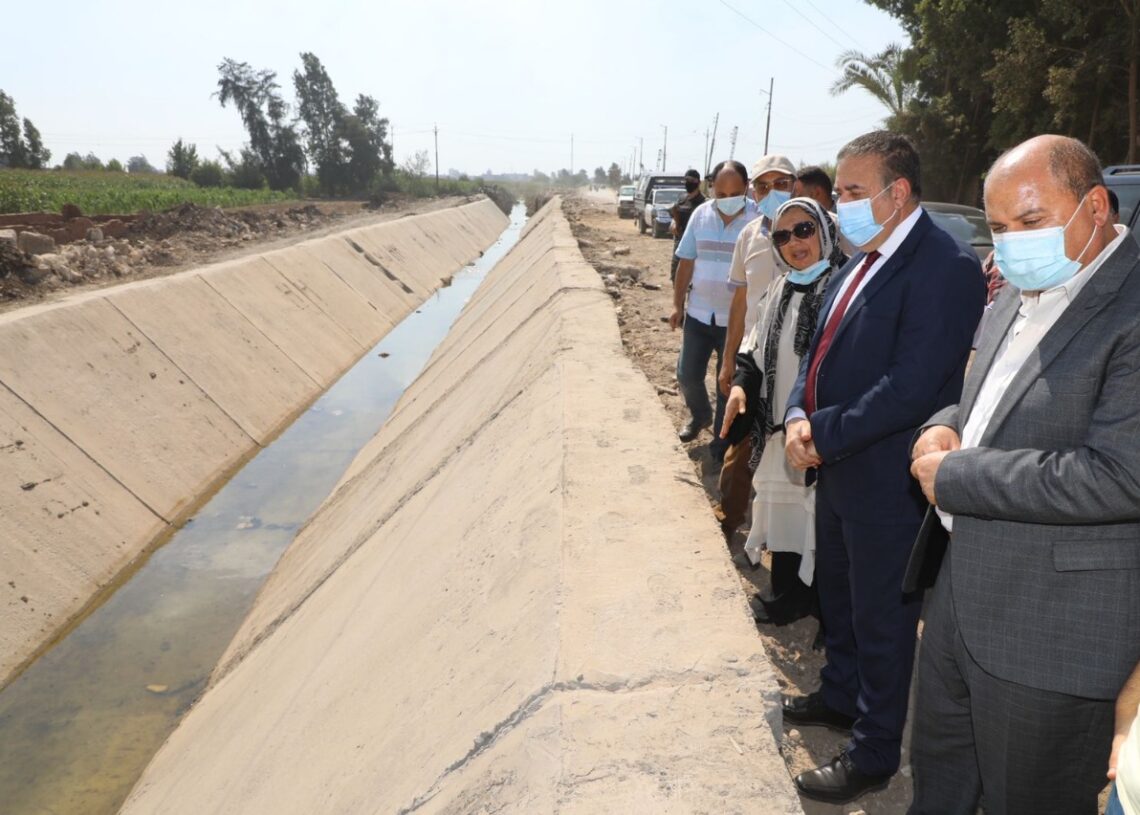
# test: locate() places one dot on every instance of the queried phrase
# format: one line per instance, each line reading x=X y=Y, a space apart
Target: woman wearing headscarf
x=806 y=254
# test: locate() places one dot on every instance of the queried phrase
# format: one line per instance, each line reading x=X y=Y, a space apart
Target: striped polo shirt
x=709 y=242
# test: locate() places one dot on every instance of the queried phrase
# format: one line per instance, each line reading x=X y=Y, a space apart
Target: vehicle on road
x=1124 y=180
x=967 y=224
x=656 y=212
x=626 y=207
x=644 y=194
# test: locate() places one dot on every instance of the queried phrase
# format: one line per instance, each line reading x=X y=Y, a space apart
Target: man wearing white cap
x=752 y=270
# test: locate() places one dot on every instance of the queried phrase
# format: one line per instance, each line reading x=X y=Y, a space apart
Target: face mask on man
x=731 y=205
x=773 y=201
x=857 y=219
x=691 y=185
x=1035 y=259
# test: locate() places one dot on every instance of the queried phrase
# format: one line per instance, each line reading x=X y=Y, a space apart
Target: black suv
x=1124 y=180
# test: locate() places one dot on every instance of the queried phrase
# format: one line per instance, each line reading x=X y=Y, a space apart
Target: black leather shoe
x=839 y=781
x=780 y=612
x=811 y=710
x=691 y=429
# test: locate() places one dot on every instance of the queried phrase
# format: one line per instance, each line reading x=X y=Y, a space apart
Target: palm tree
x=880 y=75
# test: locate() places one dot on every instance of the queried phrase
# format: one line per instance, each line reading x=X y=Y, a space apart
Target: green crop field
x=97 y=192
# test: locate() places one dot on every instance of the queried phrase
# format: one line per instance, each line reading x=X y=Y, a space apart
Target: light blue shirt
x=708 y=242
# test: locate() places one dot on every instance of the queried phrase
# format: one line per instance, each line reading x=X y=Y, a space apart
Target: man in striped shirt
x=702 y=297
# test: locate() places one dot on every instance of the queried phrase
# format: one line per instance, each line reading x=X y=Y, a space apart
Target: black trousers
x=977 y=738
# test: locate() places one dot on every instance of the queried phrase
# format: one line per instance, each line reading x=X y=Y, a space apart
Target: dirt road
x=636 y=271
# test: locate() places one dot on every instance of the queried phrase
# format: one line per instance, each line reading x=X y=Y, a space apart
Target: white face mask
x=732 y=205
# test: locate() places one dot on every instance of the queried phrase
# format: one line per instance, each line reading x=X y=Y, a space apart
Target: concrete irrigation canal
x=311 y=533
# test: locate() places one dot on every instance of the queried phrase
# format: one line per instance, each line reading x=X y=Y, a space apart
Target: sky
x=507 y=82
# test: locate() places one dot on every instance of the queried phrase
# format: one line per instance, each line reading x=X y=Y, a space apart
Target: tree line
x=981 y=77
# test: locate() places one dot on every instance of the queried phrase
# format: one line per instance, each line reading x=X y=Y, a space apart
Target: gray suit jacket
x=1045 y=554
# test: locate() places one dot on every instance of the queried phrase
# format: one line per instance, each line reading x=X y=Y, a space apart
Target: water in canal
x=78 y=727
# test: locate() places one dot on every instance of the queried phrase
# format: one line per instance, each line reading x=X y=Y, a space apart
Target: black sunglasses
x=803 y=230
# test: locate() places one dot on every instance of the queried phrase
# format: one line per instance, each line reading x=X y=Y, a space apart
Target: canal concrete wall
x=120 y=409
x=516 y=600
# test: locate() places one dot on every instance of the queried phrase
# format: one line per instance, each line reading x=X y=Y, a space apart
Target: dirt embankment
x=635 y=270
x=158 y=244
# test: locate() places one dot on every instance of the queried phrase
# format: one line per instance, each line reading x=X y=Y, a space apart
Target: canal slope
x=122 y=409
x=515 y=600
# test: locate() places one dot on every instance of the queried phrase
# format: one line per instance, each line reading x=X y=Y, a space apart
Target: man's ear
x=1098 y=197
x=901 y=193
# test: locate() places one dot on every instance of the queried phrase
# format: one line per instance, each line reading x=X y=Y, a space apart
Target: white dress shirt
x=1038 y=313
x=889 y=247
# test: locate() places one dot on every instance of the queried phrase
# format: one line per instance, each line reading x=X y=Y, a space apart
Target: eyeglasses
x=783 y=184
x=803 y=230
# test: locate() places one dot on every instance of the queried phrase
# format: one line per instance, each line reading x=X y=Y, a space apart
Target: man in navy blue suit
x=891 y=347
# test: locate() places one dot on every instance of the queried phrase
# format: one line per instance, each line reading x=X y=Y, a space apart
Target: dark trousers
x=699 y=341
x=674 y=260
x=870 y=628
x=1014 y=748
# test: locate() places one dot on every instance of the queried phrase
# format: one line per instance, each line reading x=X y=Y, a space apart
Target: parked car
x=644 y=194
x=657 y=213
x=626 y=207
x=1124 y=180
x=967 y=224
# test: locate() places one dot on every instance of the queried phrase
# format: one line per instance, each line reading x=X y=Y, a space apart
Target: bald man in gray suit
x=1033 y=626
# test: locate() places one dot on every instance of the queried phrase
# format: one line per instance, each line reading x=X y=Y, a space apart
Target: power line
x=824 y=16
x=814 y=24
x=792 y=48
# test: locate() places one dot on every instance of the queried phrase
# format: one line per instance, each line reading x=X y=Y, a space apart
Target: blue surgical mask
x=809 y=275
x=772 y=202
x=1035 y=260
x=857 y=219
x=732 y=205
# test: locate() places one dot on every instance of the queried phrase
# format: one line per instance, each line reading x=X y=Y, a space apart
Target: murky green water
x=80 y=725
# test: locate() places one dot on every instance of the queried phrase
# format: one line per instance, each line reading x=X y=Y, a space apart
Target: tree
x=38 y=156
x=208 y=174
x=614 y=176
x=320 y=109
x=182 y=159
x=369 y=147
x=272 y=139
x=139 y=164
x=881 y=75
x=581 y=179
x=600 y=176
x=13 y=151
x=114 y=166
x=246 y=172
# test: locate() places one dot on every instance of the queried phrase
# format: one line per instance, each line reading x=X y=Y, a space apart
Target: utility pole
x=768 y=126
x=712 y=144
x=640 y=154
x=732 y=143
x=706 y=147
x=571 y=154
x=435 y=130
x=665 y=148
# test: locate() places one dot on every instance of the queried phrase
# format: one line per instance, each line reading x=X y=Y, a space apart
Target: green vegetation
x=979 y=78
x=98 y=192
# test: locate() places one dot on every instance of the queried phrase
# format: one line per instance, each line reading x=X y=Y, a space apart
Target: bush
x=207 y=174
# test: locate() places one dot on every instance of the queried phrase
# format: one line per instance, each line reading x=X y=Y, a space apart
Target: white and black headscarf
x=765 y=423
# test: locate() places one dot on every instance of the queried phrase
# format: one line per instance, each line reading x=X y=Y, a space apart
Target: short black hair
x=897 y=153
x=693 y=174
x=1076 y=166
x=814 y=176
x=740 y=169
x=1113 y=202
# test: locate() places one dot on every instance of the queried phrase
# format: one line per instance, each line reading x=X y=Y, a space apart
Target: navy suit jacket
x=898 y=357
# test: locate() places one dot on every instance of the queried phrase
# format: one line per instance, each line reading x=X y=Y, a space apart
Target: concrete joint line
x=89 y=457
x=189 y=378
x=528 y=708
x=321 y=388
x=304 y=292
